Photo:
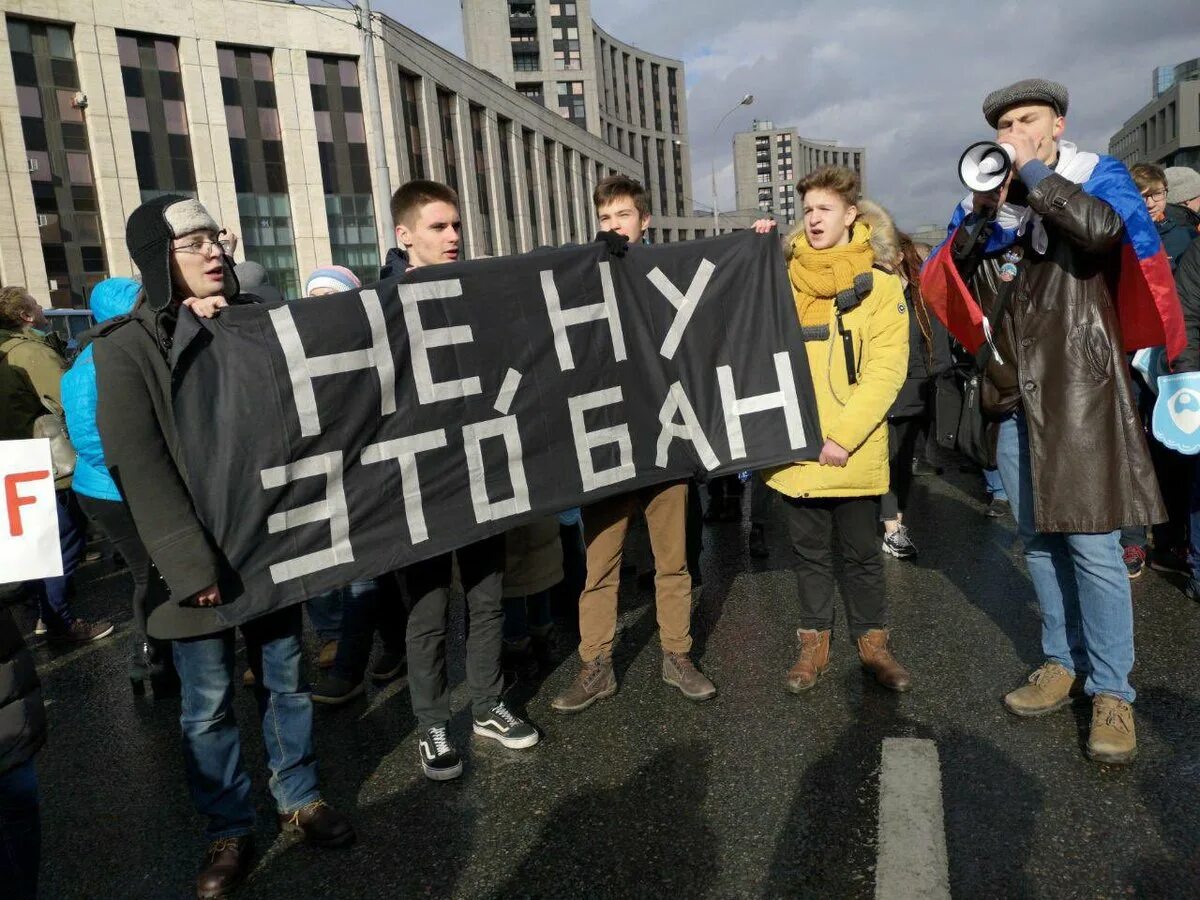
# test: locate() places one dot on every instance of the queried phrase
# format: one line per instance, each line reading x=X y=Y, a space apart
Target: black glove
x=616 y=243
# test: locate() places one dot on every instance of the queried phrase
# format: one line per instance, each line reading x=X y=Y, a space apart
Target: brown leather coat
x=1064 y=363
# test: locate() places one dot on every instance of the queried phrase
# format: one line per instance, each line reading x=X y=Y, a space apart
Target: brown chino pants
x=605 y=525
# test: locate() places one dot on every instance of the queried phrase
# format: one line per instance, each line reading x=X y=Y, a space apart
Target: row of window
x=614 y=71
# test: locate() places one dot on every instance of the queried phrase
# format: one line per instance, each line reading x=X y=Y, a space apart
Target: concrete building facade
x=636 y=101
x=768 y=161
x=1167 y=129
x=256 y=107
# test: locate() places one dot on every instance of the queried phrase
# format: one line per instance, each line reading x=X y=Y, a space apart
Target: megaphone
x=984 y=165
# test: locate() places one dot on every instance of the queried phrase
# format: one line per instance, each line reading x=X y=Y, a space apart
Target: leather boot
x=876 y=654
x=814 y=659
x=594 y=682
x=320 y=824
x=679 y=671
x=226 y=864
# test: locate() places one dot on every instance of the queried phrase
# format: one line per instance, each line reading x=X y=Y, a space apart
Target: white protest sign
x=29 y=547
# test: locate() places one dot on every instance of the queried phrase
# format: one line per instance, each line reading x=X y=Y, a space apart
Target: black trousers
x=481 y=568
x=812 y=524
x=903 y=433
x=114 y=519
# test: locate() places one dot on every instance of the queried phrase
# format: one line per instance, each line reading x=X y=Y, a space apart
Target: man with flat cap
x=1067 y=277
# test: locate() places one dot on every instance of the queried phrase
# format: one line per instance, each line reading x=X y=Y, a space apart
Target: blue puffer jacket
x=110 y=298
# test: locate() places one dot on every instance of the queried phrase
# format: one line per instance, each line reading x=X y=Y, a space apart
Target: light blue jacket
x=110 y=298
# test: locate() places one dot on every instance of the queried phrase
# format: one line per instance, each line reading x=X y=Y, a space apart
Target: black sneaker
x=387 y=666
x=899 y=544
x=334 y=689
x=80 y=631
x=439 y=761
x=510 y=730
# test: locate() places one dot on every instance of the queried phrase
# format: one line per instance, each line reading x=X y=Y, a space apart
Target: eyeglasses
x=1154 y=195
x=204 y=247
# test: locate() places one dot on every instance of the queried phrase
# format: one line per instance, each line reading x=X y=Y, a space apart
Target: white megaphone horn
x=984 y=165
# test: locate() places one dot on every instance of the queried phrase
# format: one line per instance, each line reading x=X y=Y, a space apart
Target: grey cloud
x=904 y=80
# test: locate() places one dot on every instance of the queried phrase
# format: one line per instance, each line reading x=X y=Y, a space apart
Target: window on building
x=641 y=91
x=505 y=133
x=532 y=90
x=677 y=159
x=625 y=78
x=529 y=148
x=57 y=157
x=646 y=182
x=259 y=175
x=483 y=201
x=551 y=191
x=526 y=60
x=410 y=110
x=446 y=117
x=673 y=99
x=564 y=28
x=345 y=166
x=571 y=176
x=571 y=102
x=661 y=157
x=656 y=97
x=162 y=151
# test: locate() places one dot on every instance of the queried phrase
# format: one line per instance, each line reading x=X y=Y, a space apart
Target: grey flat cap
x=1031 y=90
x=1183 y=184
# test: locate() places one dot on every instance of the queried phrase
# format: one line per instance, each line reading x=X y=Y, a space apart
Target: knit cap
x=337 y=277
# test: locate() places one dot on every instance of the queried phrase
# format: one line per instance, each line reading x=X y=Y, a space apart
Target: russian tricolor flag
x=1147 y=304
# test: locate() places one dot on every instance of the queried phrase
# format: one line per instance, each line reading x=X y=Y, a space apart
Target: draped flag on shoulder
x=1147 y=304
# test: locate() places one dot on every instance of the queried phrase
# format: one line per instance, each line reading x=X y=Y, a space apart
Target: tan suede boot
x=814 y=659
x=594 y=682
x=874 y=649
x=1112 y=738
x=1050 y=687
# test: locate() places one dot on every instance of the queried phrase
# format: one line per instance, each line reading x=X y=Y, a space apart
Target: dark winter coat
x=1187 y=282
x=141 y=446
x=1063 y=362
x=1176 y=237
x=927 y=359
x=22 y=715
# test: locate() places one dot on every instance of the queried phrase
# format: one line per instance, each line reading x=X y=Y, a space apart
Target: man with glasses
x=182 y=255
x=1151 y=180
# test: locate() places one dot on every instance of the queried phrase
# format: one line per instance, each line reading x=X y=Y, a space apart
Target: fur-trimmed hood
x=885 y=243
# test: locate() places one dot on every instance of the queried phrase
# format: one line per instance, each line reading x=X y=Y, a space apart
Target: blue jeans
x=325 y=613
x=53 y=606
x=994 y=484
x=1081 y=583
x=20 y=832
x=212 y=745
x=369 y=605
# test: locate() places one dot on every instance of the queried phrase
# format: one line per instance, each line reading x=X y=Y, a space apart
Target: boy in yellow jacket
x=855 y=324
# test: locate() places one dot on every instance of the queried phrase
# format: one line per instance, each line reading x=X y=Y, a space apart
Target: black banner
x=344 y=436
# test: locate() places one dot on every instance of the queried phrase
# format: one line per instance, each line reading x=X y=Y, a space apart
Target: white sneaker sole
x=899 y=554
x=441 y=774
x=510 y=743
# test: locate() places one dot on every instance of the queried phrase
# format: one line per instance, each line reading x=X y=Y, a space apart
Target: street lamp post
x=745 y=101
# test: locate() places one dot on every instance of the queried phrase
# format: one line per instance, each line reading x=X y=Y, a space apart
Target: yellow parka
x=855 y=415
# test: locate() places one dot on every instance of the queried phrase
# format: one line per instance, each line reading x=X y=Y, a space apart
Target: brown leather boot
x=227 y=862
x=876 y=654
x=320 y=824
x=814 y=659
x=594 y=682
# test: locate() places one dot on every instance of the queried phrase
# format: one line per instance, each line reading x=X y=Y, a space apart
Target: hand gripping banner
x=341 y=437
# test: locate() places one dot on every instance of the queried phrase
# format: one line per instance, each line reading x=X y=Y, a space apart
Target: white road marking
x=912 y=836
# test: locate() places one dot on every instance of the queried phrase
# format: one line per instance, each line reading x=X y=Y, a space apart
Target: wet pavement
x=757 y=793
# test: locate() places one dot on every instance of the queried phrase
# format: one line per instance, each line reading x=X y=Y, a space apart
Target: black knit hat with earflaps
x=148 y=235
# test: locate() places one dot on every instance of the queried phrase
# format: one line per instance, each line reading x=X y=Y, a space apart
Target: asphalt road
x=758 y=793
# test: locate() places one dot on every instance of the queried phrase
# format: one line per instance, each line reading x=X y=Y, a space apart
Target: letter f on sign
x=14 y=501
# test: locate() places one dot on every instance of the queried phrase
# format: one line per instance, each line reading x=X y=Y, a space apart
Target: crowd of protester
x=1098 y=519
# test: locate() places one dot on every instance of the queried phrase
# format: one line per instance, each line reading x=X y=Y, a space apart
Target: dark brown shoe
x=227 y=862
x=320 y=824
x=814 y=659
x=679 y=671
x=80 y=631
x=874 y=649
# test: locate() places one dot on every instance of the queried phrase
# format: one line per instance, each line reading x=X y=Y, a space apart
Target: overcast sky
x=905 y=80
